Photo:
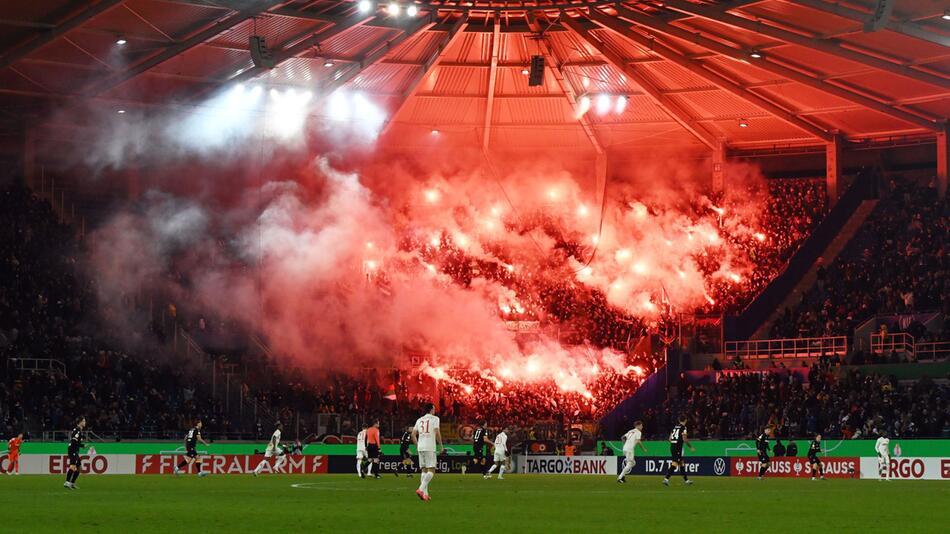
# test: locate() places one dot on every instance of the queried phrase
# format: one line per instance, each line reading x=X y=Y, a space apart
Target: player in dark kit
x=191 y=453
x=75 y=445
x=762 y=447
x=677 y=439
x=404 y=442
x=813 y=460
x=478 y=449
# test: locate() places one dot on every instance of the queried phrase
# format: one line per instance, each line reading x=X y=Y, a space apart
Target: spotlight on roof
x=621 y=104
x=120 y=41
x=393 y=9
x=121 y=111
x=946 y=14
x=328 y=63
x=365 y=6
x=755 y=54
x=525 y=71
x=603 y=104
x=743 y=123
x=412 y=11
x=435 y=132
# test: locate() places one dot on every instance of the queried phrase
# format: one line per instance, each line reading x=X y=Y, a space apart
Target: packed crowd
x=44 y=304
x=899 y=261
x=839 y=405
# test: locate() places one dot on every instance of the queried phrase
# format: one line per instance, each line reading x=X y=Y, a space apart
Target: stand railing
x=900 y=343
x=792 y=348
x=38 y=365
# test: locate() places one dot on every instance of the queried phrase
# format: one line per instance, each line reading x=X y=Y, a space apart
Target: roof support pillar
x=492 y=77
x=29 y=157
x=833 y=152
x=943 y=161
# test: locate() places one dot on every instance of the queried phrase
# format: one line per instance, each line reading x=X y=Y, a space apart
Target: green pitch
x=520 y=503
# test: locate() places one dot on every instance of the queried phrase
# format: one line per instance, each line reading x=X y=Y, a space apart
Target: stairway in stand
x=829 y=255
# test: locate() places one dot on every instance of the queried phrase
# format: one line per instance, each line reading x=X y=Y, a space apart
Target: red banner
x=229 y=464
x=797 y=466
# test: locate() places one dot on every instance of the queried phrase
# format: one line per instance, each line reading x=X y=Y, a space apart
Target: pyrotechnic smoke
x=349 y=268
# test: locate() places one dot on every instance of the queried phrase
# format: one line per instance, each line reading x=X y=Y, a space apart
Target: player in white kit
x=882 y=447
x=361 y=454
x=272 y=450
x=630 y=440
x=428 y=440
x=501 y=453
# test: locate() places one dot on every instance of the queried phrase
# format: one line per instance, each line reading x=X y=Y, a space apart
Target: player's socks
x=492 y=470
x=762 y=471
x=669 y=471
x=359 y=468
x=501 y=472
x=75 y=477
x=424 y=482
x=259 y=468
x=627 y=467
x=685 y=476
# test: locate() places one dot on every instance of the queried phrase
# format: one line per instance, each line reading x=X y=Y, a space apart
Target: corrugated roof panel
x=532 y=111
x=762 y=130
x=716 y=104
x=150 y=89
x=446 y=110
x=620 y=45
x=59 y=78
x=814 y=60
x=516 y=48
x=671 y=76
x=61 y=50
x=568 y=46
x=940 y=108
x=639 y=109
x=385 y=78
x=885 y=83
x=204 y=61
x=650 y=138
x=356 y=41
x=457 y=81
x=177 y=20
x=572 y=137
x=120 y=20
x=863 y=122
x=510 y=80
x=469 y=48
x=600 y=79
x=742 y=72
x=803 y=97
x=418 y=48
x=714 y=29
x=801 y=17
x=894 y=44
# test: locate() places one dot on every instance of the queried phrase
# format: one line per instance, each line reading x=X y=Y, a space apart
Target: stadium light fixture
x=755 y=54
x=946 y=14
x=743 y=123
x=435 y=132
x=525 y=71
x=393 y=9
x=603 y=104
x=328 y=63
x=365 y=6
x=120 y=41
x=412 y=11
x=121 y=112
x=621 y=104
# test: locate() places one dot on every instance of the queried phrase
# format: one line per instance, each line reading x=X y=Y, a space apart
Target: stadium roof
x=754 y=75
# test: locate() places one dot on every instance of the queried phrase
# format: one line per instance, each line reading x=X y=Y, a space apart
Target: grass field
x=526 y=503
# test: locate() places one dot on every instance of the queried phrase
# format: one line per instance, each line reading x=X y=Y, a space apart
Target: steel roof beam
x=772 y=65
x=697 y=68
x=492 y=78
x=668 y=104
x=833 y=48
x=429 y=63
x=37 y=42
x=196 y=39
x=910 y=29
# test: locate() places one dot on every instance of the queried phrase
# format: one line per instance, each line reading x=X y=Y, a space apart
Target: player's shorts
x=763 y=458
x=427 y=459
x=883 y=461
x=478 y=451
x=361 y=454
x=73 y=459
x=373 y=451
x=630 y=457
x=812 y=459
x=500 y=456
x=269 y=453
x=191 y=453
x=404 y=453
x=676 y=452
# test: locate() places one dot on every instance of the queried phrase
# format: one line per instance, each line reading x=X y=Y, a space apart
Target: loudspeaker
x=880 y=16
x=260 y=55
x=536 y=77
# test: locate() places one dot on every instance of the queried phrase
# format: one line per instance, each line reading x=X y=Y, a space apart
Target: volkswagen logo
x=719 y=466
